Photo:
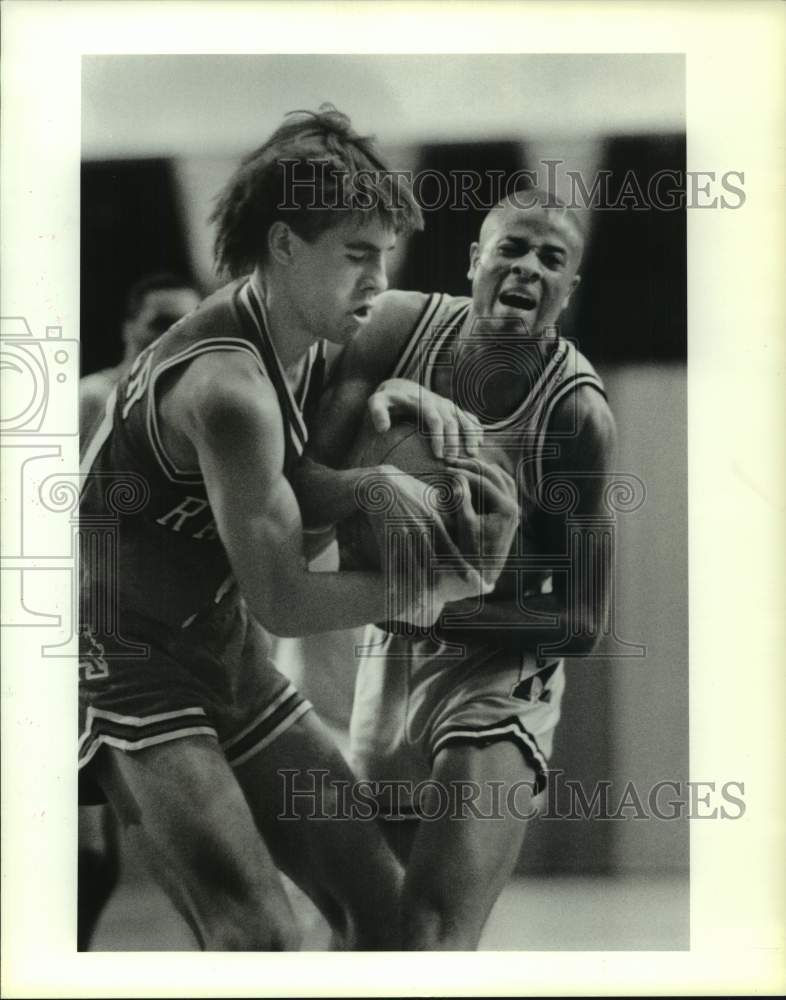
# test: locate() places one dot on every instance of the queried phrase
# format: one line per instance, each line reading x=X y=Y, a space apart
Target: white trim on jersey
x=171 y=471
x=433 y=303
x=305 y=385
x=98 y=439
x=424 y=373
x=557 y=360
x=585 y=378
x=246 y=293
x=428 y=360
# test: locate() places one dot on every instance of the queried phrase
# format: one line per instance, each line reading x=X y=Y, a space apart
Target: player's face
x=335 y=277
x=524 y=267
x=160 y=309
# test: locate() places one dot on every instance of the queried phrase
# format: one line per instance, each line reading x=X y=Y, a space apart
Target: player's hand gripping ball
x=409 y=490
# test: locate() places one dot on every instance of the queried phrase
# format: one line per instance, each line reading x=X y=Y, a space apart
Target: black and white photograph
x=368 y=488
x=515 y=290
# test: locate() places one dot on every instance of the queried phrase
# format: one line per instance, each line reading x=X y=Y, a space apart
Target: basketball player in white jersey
x=184 y=720
x=473 y=703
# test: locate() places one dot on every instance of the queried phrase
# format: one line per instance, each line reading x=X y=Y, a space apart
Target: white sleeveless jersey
x=522 y=439
x=415 y=696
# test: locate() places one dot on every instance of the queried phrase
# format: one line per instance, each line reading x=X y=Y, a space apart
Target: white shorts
x=412 y=698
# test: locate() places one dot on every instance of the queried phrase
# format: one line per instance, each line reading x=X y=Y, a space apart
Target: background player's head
x=315 y=210
x=524 y=266
x=153 y=304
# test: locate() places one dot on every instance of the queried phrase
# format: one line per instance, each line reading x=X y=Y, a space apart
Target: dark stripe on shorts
x=506 y=729
x=267 y=728
x=130 y=733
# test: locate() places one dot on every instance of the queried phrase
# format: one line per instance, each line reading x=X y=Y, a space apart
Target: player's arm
x=572 y=615
x=232 y=418
x=234 y=422
x=94 y=391
x=326 y=489
x=360 y=390
x=363 y=365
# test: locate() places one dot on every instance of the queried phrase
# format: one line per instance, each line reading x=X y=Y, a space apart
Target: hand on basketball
x=449 y=586
x=412 y=508
x=490 y=515
x=426 y=564
x=449 y=428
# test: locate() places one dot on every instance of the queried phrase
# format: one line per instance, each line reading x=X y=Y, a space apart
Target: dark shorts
x=152 y=684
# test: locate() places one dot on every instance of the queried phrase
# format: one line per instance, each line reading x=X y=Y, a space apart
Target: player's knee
x=429 y=925
x=250 y=929
x=237 y=937
x=241 y=911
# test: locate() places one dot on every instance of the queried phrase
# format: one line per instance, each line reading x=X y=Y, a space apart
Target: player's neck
x=516 y=362
x=290 y=340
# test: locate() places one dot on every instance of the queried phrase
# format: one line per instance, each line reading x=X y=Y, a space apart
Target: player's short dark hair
x=525 y=193
x=310 y=173
x=157 y=282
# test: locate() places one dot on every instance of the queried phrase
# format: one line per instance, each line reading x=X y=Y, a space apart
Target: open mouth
x=518 y=300
x=362 y=312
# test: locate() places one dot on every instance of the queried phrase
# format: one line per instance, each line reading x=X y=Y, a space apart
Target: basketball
x=409 y=450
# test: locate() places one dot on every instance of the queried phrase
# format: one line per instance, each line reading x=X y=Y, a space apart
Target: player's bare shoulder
x=393 y=318
x=219 y=398
x=585 y=426
x=225 y=388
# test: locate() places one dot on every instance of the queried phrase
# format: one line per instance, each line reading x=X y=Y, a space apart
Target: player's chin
x=353 y=323
x=524 y=320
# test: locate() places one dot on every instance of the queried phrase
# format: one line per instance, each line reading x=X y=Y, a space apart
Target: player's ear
x=281 y=241
x=574 y=284
x=474 y=250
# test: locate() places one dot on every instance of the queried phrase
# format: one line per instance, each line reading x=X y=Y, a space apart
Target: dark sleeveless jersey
x=521 y=440
x=150 y=549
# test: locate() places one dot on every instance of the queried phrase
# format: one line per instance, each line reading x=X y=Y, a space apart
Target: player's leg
x=400 y=834
x=343 y=864
x=98 y=868
x=181 y=803
x=461 y=859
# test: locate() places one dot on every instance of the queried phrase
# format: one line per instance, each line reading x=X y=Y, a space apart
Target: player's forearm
x=543 y=621
x=304 y=603
x=326 y=496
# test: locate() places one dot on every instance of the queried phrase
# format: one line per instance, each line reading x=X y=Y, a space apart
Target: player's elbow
x=580 y=645
x=584 y=630
x=285 y=628
x=274 y=616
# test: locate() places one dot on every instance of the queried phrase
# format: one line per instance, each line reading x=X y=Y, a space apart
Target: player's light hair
x=312 y=171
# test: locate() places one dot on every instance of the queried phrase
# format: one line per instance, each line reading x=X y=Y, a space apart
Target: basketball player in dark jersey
x=477 y=699
x=192 y=548
x=153 y=304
